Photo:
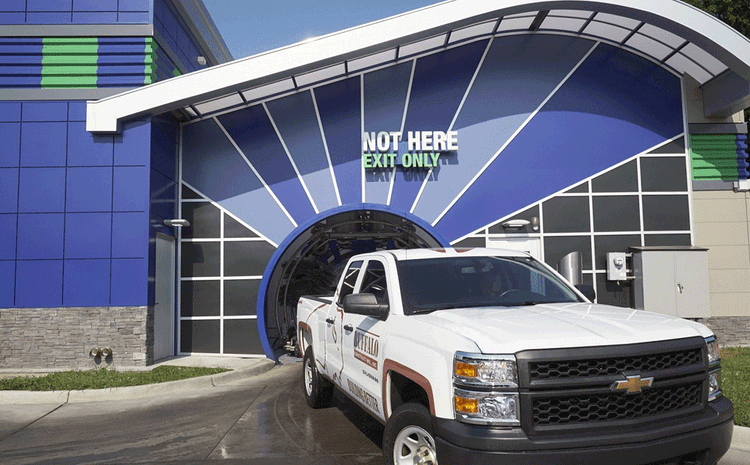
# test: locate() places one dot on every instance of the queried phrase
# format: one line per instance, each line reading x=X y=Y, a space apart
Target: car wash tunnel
x=313 y=259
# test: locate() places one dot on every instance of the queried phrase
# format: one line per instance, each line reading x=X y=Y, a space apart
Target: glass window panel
x=617 y=293
x=628 y=23
x=605 y=244
x=372 y=60
x=513 y=24
x=233 y=228
x=320 y=75
x=572 y=13
x=242 y=337
x=422 y=46
x=649 y=46
x=375 y=281
x=200 y=259
x=241 y=297
x=555 y=248
x=246 y=258
x=666 y=213
x=621 y=179
x=472 y=31
x=566 y=214
x=668 y=174
x=684 y=64
x=219 y=104
x=661 y=35
x=269 y=89
x=204 y=220
x=201 y=336
x=199 y=298
x=563 y=24
x=705 y=59
x=350 y=280
x=616 y=213
x=606 y=31
x=661 y=240
x=188 y=193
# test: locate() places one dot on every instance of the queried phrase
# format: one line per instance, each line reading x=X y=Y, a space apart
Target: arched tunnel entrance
x=310 y=260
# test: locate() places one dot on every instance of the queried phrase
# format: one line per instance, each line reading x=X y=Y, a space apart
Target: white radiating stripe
x=362 y=132
x=513 y=136
x=453 y=121
x=230 y=214
x=325 y=145
x=268 y=189
x=403 y=123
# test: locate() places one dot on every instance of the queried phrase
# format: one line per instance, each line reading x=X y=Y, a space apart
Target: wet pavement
x=261 y=420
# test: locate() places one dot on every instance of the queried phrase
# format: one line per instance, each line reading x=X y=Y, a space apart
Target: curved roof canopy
x=670 y=32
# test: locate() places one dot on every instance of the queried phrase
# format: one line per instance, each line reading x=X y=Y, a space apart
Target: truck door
x=361 y=348
x=334 y=320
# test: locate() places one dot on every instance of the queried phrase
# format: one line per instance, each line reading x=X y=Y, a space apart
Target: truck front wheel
x=318 y=390
x=407 y=438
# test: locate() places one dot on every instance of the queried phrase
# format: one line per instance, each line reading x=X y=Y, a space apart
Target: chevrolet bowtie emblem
x=633 y=384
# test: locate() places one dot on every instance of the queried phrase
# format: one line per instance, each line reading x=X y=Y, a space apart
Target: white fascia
x=104 y=115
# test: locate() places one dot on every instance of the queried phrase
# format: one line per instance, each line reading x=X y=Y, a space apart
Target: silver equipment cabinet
x=672 y=280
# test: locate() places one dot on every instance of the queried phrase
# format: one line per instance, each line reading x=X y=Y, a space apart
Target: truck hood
x=559 y=325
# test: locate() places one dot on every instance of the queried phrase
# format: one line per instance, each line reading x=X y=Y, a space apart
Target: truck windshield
x=458 y=282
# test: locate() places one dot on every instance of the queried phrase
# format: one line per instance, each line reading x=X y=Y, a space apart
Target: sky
x=254 y=26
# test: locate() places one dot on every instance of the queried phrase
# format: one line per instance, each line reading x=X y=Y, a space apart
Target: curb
x=741 y=438
x=134 y=392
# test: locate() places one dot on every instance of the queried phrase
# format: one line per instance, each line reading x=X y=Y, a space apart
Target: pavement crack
x=235 y=422
x=43 y=416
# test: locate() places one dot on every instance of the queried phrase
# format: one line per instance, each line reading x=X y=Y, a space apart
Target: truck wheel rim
x=308 y=377
x=414 y=445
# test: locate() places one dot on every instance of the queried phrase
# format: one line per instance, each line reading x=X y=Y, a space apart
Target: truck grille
x=613 y=365
x=568 y=391
x=614 y=406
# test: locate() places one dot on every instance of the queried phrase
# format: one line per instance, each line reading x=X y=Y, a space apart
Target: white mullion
x=325 y=146
x=455 y=117
x=541 y=231
x=593 y=234
x=225 y=278
x=403 y=123
x=640 y=199
x=257 y=174
x=221 y=286
x=291 y=160
x=176 y=348
x=216 y=318
x=362 y=131
x=217 y=205
x=515 y=134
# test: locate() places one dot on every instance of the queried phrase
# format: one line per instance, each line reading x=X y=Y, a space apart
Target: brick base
x=731 y=331
x=61 y=338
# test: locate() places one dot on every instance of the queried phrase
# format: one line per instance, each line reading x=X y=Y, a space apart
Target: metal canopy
x=674 y=34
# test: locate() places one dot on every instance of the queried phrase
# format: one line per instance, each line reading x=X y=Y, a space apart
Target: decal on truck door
x=366 y=347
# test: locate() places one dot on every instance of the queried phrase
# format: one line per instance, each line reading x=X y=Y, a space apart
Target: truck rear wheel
x=318 y=390
x=408 y=438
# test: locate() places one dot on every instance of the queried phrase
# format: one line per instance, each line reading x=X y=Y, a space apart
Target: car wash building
x=189 y=214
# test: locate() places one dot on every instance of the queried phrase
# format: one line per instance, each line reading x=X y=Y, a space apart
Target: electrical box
x=672 y=280
x=617 y=269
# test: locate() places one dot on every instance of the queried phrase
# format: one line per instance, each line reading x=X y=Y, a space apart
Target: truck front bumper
x=700 y=439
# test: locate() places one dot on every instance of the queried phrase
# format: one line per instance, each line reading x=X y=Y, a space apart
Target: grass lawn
x=103 y=378
x=735 y=382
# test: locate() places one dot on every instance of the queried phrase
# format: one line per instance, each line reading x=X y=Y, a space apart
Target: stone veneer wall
x=61 y=338
x=732 y=331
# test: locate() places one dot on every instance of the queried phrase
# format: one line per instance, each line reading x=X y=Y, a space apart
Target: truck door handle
x=330 y=321
x=348 y=328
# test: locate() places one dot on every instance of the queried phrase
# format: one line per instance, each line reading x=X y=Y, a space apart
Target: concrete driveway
x=260 y=420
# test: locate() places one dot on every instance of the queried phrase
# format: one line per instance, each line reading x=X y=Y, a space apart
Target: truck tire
x=318 y=390
x=408 y=437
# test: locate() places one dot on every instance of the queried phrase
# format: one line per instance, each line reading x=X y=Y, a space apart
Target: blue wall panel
x=12 y=17
x=86 y=149
x=8 y=190
x=385 y=100
x=89 y=189
x=264 y=150
x=88 y=235
x=95 y=5
x=297 y=122
x=340 y=110
x=43 y=144
x=636 y=105
x=42 y=190
x=40 y=236
x=86 y=283
x=131 y=189
x=510 y=86
x=8 y=235
x=440 y=82
x=10 y=135
x=39 y=283
x=245 y=196
x=49 y=5
x=129 y=235
x=132 y=145
x=7 y=283
x=129 y=282
x=13 y=5
x=10 y=111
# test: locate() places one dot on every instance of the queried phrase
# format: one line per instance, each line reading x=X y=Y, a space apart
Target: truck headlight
x=486 y=408
x=714 y=374
x=485 y=370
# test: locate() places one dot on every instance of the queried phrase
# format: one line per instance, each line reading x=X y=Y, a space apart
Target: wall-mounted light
x=535 y=223
x=177 y=223
x=515 y=224
x=201 y=60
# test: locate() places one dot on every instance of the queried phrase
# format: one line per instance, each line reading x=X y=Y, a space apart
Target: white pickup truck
x=489 y=356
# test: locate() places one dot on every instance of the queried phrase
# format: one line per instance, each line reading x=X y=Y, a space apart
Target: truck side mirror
x=365 y=304
x=587 y=290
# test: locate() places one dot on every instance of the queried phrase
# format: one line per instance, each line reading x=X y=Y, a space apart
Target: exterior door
x=335 y=321
x=530 y=245
x=164 y=295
